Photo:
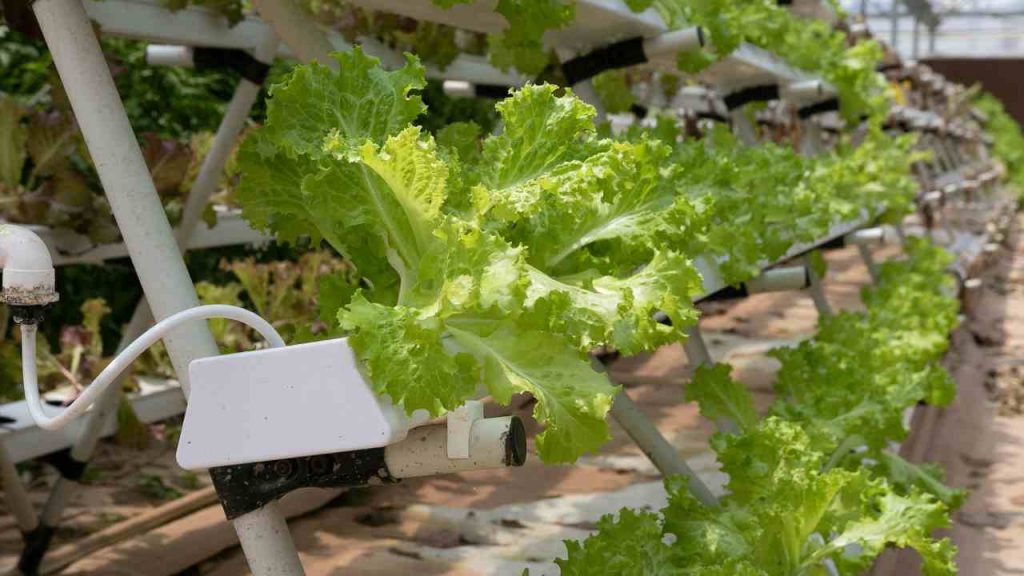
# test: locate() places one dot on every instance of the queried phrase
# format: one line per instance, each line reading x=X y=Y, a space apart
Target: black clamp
x=37 y=542
x=760 y=93
x=68 y=467
x=248 y=67
x=830 y=105
x=613 y=56
x=711 y=115
x=492 y=91
x=243 y=488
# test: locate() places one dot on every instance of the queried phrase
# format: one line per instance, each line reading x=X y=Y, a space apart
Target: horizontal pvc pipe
x=780 y=280
x=670 y=44
x=459 y=89
x=867 y=237
x=493 y=443
x=807 y=90
x=169 y=55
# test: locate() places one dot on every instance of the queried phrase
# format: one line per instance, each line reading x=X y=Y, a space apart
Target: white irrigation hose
x=125 y=359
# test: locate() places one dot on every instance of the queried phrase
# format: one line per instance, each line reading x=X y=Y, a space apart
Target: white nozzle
x=28 y=269
x=671 y=43
x=807 y=90
x=868 y=237
x=459 y=88
x=780 y=280
x=169 y=55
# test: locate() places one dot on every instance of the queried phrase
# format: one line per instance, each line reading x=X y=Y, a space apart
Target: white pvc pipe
x=742 y=127
x=817 y=290
x=15 y=494
x=669 y=44
x=146 y=232
x=875 y=236
x=695 y=347
x=869 y=261
x=123 y=360
x=780 y=280
x=231 y=126
x=169 y=55
x=458 y=89
x=297 y=31
x=807 y=90
x=28 y=277
x=425 y=451
x=126 y=180
x=266 y=542
x=662 y=454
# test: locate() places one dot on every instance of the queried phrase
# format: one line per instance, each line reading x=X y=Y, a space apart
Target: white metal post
x=15 y=494
x=742 y=127
x=199 y=195
x=296 y=30
x=817 y=290
x=146 y=232
x=661 y=453
x=696 y=348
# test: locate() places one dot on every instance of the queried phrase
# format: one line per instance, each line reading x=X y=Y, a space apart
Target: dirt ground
x=500 y=522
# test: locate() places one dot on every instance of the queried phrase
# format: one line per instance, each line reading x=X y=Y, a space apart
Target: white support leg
x=696 y=348
x=297 y=31
x=817 y=290
x=661 y=453
x=15 y=495
x=147 y=234
x=869 y=261
x=742 y=127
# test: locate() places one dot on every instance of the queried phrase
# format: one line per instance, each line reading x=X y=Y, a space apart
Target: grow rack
x=749 y=74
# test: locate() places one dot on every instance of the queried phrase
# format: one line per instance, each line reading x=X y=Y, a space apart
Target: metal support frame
x=147 y=234
x=231 y=126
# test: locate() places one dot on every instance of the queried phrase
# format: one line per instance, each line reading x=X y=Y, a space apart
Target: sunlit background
x=947 y=28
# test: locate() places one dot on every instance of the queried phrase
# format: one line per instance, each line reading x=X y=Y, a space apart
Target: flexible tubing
x=125 y=358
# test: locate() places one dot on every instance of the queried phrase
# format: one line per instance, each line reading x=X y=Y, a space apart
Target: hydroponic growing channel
x=480 y=273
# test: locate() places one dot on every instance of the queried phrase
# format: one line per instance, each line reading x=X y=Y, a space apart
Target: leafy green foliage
x=470 y=272
x=811 y=482
x=1008 y=140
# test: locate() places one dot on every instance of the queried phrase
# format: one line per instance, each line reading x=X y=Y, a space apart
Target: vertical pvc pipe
x=15 y=494
x=869 y=262
x=297 y=31
x=810 y=139
x=817 y=290
x=742 y=127
x=696 y=348
x=124 y=175
x=662 y=454
x=916 y=50
x=267 y=544
x=83 y=70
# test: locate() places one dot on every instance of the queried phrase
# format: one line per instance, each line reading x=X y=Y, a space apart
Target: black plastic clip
x=206 y=58
x=761 y=93
x=37 y=542
x=243 y=488
x=613 y=56
x=830 y=105
x=68 y=467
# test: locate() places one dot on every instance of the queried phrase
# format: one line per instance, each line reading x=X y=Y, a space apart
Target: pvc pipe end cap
x=28 y=287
